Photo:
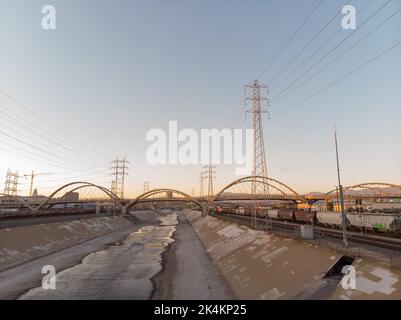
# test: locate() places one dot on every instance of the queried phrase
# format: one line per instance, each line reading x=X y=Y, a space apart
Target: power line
x=50 y=124
x=55 y=186
x=289 y=40
x=339 y=56
x=44 y=162
x=329 y=39
x=337 y=80
x=63 y=155
x=332 y=50
x=69 y=177
x=237 y=112
x=46 y=135
x=97 y=174
x=29 y=145
x=93 y=175
x=103 y=165
x=39 y=158
x=305 y=47
x=20 y=155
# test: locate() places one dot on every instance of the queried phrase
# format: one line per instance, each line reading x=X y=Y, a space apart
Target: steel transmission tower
x=257 y=92
x=209 y=172
x=145 y=186
x=113 y=187
x=11 y=184
x=201 y=177
x=119 y=171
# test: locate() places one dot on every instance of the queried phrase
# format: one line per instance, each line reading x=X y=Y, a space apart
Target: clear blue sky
x=112 y=70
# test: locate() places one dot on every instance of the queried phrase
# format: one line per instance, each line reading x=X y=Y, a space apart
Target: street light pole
x=340 y=187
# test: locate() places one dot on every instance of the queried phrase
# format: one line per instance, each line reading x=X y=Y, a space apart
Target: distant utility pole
x=258 y=96
x=119 y=171
x=145 y=186
x=11 y=184
x=340 y=188
x=209 y=172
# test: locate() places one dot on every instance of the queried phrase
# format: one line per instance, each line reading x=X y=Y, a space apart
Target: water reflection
x=122 y=271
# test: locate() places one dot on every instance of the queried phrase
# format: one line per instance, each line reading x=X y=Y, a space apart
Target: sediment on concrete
x=120 y=271
x=21 y=244
x=188 y=273
x=261 y=265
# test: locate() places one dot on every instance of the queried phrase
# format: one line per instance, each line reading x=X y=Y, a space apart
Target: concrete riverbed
x=122 y=271
x=161 y=261
x=183 y=255
x=188 y=271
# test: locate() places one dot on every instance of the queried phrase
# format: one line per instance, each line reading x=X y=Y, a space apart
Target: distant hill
x=391 y=190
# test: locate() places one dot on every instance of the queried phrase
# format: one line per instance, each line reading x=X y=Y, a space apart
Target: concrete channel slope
x=178 y=255
x=164 y=260
x=259 y=265
x=62 y=245
x=21 y=244
x=121 y=271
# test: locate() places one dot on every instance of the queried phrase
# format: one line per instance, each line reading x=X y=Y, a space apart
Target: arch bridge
x=245 y=188
x=258 y=188
x=52 y=200
x=163 y=194
x=368 y=190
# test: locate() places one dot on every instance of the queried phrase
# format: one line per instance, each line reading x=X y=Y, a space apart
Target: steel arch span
x=81 y=184
x=286 y=192
x=368 y=185
x=145 y=197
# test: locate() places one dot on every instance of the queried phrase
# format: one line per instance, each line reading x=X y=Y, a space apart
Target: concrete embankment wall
x=25 y=243
x=261 y=265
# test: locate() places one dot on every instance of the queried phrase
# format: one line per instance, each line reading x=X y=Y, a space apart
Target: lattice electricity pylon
x=146 y=186
x=11 y=184
x=119 y=171
x=201 y=178
x=209 y=172
x=113 y=187
x=260 y=103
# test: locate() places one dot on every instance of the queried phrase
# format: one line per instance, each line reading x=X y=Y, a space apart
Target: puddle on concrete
x=122 y=271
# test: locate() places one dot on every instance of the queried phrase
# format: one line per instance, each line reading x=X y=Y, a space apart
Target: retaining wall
x=24 y=243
